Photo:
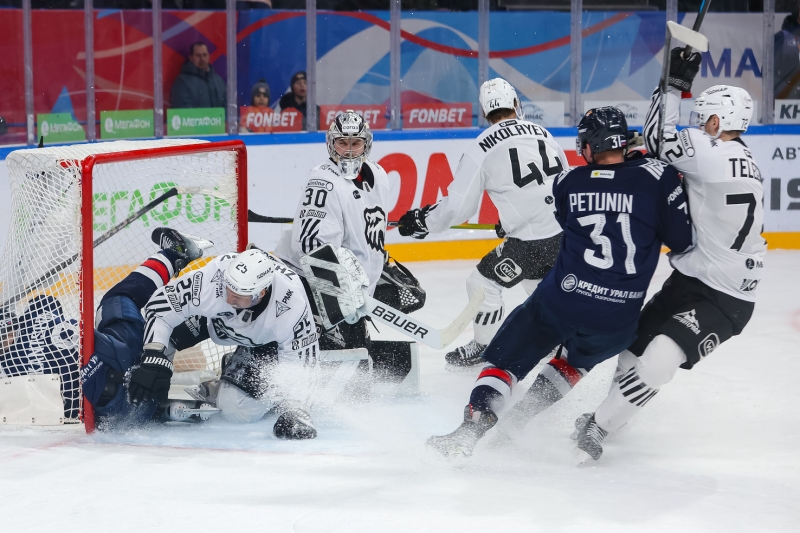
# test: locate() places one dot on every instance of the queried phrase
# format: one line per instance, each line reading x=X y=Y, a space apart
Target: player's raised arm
x=681 y=74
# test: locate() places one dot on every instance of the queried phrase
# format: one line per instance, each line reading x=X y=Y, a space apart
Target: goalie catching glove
x=150 y=379
x=338 y=283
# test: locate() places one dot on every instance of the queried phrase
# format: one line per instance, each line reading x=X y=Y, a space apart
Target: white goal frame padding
x=33 y=400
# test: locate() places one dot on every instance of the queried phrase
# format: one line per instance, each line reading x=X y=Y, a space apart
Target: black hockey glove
x=498 y=229
x=682 y=71
x=150 y=379
x=412 y=224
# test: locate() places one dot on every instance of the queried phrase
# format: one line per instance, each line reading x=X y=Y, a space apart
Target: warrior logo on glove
x=375 y=230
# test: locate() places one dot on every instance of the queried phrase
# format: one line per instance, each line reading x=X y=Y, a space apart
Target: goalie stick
x=42 y=280
x=693 y=39
x=255 y=217
x=418 y=330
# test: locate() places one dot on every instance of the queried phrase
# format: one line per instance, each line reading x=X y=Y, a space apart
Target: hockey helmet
x=499 y=94
x=250 y=273
x=603 y=129
x=732 y=105
x=349 y=126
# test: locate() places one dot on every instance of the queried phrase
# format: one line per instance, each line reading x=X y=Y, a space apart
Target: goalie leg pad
x=238 y=406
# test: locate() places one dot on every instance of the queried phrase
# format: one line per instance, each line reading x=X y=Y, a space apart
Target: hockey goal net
x=54 y=268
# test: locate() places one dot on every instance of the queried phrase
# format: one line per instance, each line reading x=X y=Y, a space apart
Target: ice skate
x=580 y=425
x=181 y=411
x=294 y=424
x=462 y=441
x=187 y=246
x=465 y=357
x=590 y=439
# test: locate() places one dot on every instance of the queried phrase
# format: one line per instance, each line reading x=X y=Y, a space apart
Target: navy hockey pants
x=533 y=329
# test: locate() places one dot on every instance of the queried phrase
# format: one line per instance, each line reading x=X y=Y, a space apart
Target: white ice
x=716 y=450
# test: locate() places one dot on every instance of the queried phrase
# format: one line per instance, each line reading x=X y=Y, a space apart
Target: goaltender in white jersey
x=343 y=204
x=710 y=296
x=515 y=161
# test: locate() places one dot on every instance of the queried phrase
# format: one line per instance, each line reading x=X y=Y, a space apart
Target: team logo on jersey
x=569 y=282
x=64 y=336
x=280 y=308
x=655 y=167
x=689 y=320
x=605 y=174
x=549 y=200
x=751 y=263
x=507 y=270
x=749 y=285
x=708 y=345
x=225 y=314
x=356 y=195
x=375 y=227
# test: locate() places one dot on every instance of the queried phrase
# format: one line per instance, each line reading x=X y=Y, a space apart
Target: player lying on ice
x=250 y=300
x=615 y=213
x=515 y=161
x=711 y=294
x=42 y=341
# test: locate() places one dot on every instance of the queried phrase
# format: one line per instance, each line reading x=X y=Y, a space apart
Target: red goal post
x=89 y=166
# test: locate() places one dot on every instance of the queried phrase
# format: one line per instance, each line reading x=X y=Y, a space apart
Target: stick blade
x=695 y=39
x=449 y=334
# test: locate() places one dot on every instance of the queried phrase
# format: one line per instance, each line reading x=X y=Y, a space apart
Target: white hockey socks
x=636 y=385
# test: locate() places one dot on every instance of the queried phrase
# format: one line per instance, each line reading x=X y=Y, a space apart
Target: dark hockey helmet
x=603 y=129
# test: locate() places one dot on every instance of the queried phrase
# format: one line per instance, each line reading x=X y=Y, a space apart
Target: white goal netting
x=41 y=320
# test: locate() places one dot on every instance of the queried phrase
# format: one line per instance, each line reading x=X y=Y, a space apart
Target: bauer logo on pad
x=606 y=174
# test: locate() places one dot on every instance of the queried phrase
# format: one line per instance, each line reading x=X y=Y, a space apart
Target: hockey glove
x=412 y=224
x=682 y=71
x=294 y=424
x=150 y=379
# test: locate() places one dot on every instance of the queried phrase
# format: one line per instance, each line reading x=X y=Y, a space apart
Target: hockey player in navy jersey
x=711 y=295
x=616 y=213
x=43 y=341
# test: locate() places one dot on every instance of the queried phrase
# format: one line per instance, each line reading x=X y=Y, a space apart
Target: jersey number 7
x=738 y=199
x=536 y=174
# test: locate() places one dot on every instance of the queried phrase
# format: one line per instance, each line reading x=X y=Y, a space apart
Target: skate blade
x=581 y=459
x=464 y=369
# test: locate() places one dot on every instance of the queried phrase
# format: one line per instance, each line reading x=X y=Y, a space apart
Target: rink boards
x=421 y=165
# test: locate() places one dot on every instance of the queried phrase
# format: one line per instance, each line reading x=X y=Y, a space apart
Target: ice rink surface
x=716 y=450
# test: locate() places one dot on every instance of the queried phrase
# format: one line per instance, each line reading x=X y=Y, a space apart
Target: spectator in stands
x=787 y=58
x=260 y=94
x=296 y=97
x=198 y=85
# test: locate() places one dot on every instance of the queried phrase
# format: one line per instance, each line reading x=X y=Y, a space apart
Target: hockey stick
x=693 y=39
x=42 y=280
x=417 y=330
x=255 y=217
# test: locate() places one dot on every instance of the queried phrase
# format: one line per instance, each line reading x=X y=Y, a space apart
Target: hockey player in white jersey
x=250 y=300
x=515 y=161
x=711 y=294
x=344 y=205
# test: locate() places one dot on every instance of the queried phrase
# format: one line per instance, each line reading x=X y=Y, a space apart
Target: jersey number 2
x=536 y=174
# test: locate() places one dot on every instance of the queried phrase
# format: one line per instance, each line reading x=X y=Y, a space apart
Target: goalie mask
x=349 y=142
x=732 y=105
x=499 y=94
x=247 y=276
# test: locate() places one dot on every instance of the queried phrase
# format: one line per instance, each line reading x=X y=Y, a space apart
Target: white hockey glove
x=338 y=283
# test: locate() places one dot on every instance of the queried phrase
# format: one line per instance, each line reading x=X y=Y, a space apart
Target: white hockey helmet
x=732 y=105
x=349 y=126
x=250 y=273
x=499 y=94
